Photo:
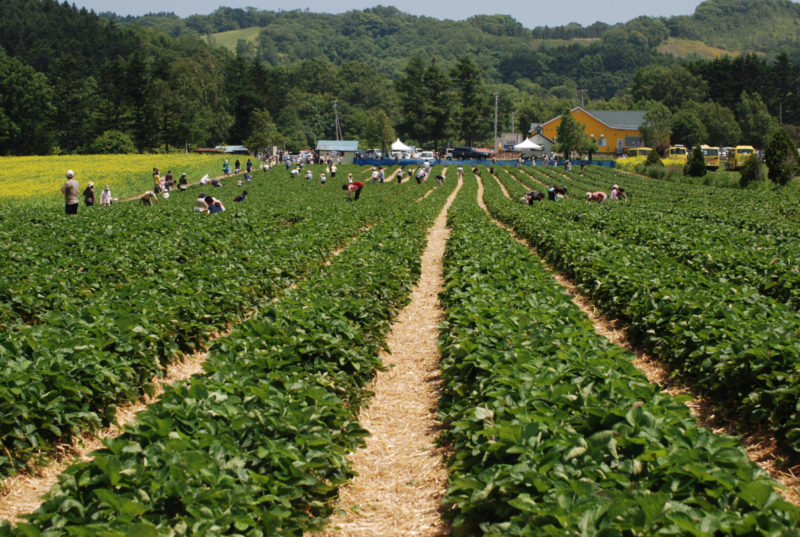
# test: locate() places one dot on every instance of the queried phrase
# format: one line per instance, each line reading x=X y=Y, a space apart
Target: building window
x=633 y=141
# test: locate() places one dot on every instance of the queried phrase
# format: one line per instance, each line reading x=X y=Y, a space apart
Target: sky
x=530 y=13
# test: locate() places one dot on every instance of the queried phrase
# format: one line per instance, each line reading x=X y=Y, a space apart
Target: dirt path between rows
x=401 y=474
x=760 y=444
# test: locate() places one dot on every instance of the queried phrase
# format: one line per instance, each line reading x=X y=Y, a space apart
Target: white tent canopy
x=527 y=145
x=400 y=146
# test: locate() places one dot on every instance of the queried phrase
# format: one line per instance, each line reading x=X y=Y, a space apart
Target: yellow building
x=614 y=131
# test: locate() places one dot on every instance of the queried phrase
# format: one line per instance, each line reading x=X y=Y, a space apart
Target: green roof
x=620 y=119
x=337 y=145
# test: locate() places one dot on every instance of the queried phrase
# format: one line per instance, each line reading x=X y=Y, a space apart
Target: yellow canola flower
x=128 y=175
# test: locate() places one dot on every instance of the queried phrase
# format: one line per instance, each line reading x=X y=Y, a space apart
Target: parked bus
x=677 y=154
x=711 y=156
x=738 y=155
x=638 y=152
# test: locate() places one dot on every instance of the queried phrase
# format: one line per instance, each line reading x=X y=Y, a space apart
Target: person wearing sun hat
x=70 y=191
x=105 y=196
x=88 y=194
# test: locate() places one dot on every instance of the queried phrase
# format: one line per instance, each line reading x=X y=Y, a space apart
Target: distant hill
x=735 y=26
x=764 y=26
x=601 y=58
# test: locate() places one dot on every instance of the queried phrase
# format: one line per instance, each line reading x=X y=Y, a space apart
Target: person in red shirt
x=354 y=187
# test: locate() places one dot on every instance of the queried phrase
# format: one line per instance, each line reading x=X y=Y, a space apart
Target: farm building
x=346 y=148
x=540 y=139
x=613 y=130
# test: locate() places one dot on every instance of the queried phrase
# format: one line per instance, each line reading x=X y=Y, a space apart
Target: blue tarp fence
x=413 y=162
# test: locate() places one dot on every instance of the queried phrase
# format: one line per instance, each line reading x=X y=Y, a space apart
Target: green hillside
x=231 y=38
x=688 y=48
x=742 y=25
x=735 y=26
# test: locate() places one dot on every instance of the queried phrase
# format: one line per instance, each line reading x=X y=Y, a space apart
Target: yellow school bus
x=738 y=155
x=638 y=152
x=677 y=154
x=634 y=156
x=711 y=156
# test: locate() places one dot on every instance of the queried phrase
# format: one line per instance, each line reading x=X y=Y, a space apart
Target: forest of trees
x=73 y=81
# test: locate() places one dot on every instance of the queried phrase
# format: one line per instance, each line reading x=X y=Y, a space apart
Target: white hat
x=91 y=183
x=70 y=174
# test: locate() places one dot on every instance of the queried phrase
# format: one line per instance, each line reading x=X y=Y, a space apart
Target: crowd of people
x=164 y=184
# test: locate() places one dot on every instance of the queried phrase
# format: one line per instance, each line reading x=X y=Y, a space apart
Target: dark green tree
x=112 y=143
x=696 y=166
x=74 y=99
x=687 y=128
x=720 y=124
x=263 y=134
x=440 y=103
x=570 y=135
x=26 y=109
x=755 y=120
x=379 y=131
x=671 y=86
x=753 y=171
x=657 y=126
x=413 y=96
x=781 y=157
x=471 y=101
x=653 y=159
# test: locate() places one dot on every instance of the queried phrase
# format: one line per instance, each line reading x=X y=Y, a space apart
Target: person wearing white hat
x=88 y=194
x=105 y=196
x=70 y=191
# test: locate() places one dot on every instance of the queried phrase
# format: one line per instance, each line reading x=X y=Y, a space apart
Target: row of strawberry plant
x=762 y=212
x=555 y=432
x=54 y=262
x=256 y=447
x=767 y=262
x=68 y=375
x=739 y=347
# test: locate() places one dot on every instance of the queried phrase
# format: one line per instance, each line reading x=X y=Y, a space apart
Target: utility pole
x=496 y=95
x=336 y=121
x=582 y=92
x=513 y=126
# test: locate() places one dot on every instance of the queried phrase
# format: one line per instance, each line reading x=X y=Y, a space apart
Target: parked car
x=427 y=156
x=469 y=153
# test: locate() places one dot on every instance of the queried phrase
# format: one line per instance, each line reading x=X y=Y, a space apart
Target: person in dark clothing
x=88 y=195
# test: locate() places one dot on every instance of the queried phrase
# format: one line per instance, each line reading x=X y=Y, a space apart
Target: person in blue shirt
x=214 y=205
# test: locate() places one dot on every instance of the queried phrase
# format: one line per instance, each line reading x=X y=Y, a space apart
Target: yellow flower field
x=128 y=175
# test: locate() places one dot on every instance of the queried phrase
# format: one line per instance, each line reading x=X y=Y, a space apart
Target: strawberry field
x=552 y=429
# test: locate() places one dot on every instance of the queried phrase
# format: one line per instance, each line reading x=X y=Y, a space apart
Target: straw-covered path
x=401 y=474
